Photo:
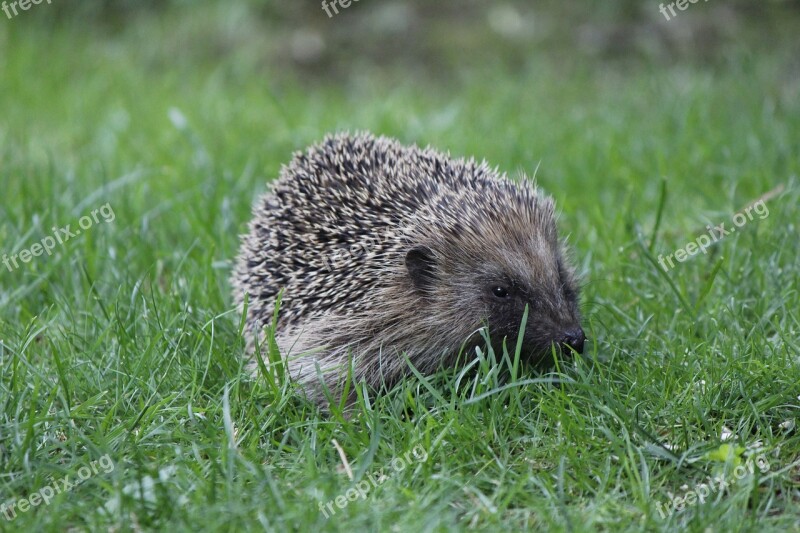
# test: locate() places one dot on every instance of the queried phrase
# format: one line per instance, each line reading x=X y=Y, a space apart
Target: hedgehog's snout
x=573 y=338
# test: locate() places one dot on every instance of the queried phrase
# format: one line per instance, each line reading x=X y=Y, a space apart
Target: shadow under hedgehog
x=453 y=247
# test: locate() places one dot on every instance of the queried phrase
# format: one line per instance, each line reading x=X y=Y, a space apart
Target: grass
x=123 y=342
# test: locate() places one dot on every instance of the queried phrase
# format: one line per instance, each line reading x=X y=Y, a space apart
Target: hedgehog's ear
x=421 y=265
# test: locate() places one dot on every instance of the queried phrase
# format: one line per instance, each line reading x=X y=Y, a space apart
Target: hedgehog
x=386 y=254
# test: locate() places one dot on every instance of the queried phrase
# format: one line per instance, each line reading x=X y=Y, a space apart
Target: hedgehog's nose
x=574 y=338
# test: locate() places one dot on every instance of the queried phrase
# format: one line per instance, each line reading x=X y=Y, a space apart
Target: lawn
x=134 y=140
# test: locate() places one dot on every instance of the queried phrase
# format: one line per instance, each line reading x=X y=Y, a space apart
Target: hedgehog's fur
x=383 y=249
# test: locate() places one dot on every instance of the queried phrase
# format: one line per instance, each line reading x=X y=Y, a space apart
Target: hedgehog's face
x=476 y=289
x=552 y=308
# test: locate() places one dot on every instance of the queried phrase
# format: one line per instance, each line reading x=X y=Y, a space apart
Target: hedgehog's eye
x=500 y=292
